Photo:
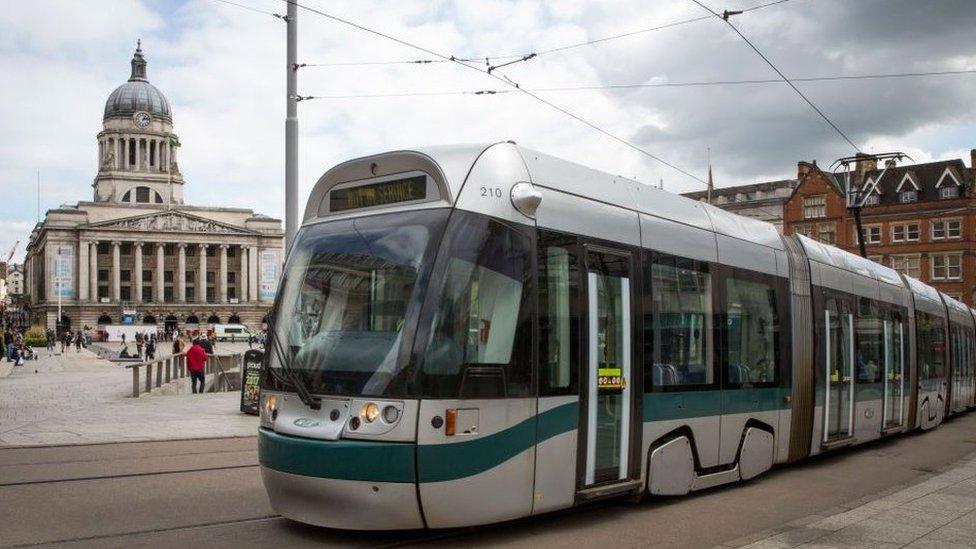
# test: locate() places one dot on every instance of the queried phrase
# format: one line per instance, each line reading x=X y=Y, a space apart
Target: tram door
x=609 y=417
x=894 y=373
x=838 y=410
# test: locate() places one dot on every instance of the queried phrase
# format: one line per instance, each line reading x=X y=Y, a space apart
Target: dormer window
x=907 y=197
x=948 y=184
x=949 y=191
x=872 y=199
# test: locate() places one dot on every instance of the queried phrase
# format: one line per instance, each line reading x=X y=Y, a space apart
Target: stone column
x=83 y=264
x=202 y=275
x=137 y=271
x=242 y=274
x=138 y=144
x=116 y=271
x=252 y=265
x=118 y=153
x=93 y=271
x=160 y=263
x=223 y=273
x=181 y=274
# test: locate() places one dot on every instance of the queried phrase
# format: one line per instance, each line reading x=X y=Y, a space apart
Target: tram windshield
x=350 y=289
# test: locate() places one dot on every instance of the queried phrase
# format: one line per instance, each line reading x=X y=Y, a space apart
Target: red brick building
x=918 y=219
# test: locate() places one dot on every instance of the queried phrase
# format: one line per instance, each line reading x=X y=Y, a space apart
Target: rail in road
x=208 y=493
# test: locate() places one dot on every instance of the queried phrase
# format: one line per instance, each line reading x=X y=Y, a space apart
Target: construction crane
x=11 y=254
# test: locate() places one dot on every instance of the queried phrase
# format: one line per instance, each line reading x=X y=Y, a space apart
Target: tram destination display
x=250 y=378
x=378 y=194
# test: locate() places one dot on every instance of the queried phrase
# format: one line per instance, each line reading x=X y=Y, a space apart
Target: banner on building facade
x=268 y=284
x=64 y=260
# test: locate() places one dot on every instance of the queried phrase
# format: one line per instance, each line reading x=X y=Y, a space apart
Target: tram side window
x=480 y=334
x=869 y=329
x=559 y=321
x=931 y=346
x=751 y=330
x=679 y=326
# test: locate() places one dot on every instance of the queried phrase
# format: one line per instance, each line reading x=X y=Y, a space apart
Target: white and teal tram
x=466 y=335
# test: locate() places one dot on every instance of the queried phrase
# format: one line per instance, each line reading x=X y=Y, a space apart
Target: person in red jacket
x=196 y=360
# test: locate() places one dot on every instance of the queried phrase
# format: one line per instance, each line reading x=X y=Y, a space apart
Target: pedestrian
x=78 y=340
x=151 y=349
x=177 y=345
x=139 y=342
x=196 y=361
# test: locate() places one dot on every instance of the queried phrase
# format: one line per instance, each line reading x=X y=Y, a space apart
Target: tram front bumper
x=350 y=485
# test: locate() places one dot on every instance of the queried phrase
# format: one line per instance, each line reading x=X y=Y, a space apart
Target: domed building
x=136 y=252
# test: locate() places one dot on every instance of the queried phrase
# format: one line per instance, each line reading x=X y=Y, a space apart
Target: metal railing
x=173 y=367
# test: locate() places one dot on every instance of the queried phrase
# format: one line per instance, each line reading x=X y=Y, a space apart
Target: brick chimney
x=863 y=165
x=804 y=168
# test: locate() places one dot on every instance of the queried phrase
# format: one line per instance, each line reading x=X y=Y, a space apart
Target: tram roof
x=576 y=179
x=831 y=255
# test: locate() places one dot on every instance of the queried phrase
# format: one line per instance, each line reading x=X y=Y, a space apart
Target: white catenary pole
x=291 y=129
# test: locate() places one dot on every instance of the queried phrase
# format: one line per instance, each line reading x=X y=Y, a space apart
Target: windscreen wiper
x=303 y=393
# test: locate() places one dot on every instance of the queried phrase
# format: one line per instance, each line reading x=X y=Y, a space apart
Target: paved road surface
x=208 y=493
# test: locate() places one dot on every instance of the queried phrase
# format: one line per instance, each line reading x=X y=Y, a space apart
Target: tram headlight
x=391 y=414
x=370 y=412
x=269 y=410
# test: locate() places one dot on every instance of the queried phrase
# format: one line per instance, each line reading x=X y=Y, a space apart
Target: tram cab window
x=751 y=332
x=559 y=321
x=678 y=329
x=479 y=340
x=931 y=346
x=869 y=330
x=350 y=290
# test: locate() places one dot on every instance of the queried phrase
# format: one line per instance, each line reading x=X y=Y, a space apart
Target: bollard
x=169 y=365
x=182 y=361
x=159 y=373
x=148 y=378
x=135 y=381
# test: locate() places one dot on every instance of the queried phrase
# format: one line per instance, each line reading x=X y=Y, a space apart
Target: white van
x=231 y=332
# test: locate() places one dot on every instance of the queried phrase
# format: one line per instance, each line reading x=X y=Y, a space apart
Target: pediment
x=171 y=221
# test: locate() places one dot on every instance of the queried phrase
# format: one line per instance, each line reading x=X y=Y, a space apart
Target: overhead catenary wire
x=602 y=87
x=250 y=8
x=519 y=57
x=830 y=122
x=497 y=76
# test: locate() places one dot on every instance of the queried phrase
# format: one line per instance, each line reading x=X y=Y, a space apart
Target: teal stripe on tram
x=444 y=462
x=694 y=404
x=337 y=459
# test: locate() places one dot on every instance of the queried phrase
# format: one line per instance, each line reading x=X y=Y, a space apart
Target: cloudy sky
x=222 y=68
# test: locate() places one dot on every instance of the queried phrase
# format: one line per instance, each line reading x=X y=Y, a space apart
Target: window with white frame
x=872 y=234
x=805 y=230
x=814 y=206
x=906 y=264
x=879 y=259
x=946 y=266
x=943 y=229
x=827 y=233
x=904 y=232
x=907 y=197
x=872 y=199
x=948 y=191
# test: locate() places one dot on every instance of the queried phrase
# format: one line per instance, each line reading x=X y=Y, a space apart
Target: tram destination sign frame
x=395 y=191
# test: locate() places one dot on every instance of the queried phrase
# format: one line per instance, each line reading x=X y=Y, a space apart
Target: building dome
x=138 y=94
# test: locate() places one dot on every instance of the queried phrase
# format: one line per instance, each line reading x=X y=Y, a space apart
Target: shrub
x=35 y=337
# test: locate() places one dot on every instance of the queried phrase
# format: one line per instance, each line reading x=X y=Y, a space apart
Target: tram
x=472 y=334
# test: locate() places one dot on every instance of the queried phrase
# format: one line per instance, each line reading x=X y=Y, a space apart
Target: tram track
x=128 y=475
